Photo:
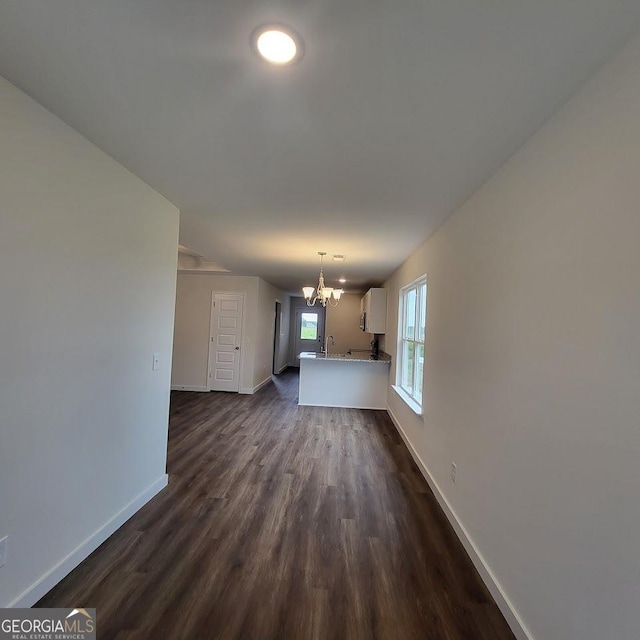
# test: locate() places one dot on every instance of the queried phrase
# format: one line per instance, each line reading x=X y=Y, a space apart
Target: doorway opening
x=276 y=367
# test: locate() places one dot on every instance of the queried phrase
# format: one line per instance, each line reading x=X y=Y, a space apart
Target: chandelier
x=323 y=293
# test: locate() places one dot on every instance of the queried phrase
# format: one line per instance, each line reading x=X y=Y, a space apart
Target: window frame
x=302 y=325
x=412 y=395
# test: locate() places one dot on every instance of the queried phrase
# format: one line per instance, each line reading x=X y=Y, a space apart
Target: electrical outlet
x=3 y=551
x=454 y=470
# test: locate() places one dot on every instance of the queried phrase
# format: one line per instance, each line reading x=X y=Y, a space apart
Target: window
x=412 y=325
x=309 y=326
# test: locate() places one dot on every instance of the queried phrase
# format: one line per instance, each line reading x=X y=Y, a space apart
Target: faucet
x=326 y=344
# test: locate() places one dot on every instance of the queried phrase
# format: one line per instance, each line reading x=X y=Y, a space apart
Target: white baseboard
x=261 y=384
x=282 y=368
x=506 y=607
x=50 y=579
x=344 y=405
x=248 y=391
x=186 y=387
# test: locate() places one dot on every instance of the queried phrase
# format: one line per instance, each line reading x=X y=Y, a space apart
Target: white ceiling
x=398 y=111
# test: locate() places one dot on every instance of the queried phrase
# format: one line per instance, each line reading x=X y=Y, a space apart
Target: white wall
x=532 y=371
x=193 y=314
x=282 y=355
x=264 y=359
x=343 y=323
x=87 y=276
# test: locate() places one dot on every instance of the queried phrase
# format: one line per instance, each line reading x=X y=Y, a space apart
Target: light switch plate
x=156 y=361
x=3 y=551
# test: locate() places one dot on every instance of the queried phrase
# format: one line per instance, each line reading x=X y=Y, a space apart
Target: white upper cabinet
x=374 y=309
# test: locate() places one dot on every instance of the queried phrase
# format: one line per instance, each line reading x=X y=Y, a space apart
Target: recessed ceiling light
x=339 y=257
x=342 y=280
x=277 y=44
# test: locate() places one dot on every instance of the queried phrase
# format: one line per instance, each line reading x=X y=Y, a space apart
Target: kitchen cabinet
x=374 y=311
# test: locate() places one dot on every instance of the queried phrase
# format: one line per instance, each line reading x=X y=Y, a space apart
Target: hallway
x=284 y=522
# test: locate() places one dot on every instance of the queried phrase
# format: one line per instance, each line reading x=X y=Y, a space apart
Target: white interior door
x=309 y=330
x=225 y=341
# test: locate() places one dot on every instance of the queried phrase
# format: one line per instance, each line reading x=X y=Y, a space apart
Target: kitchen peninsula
x=355 y=381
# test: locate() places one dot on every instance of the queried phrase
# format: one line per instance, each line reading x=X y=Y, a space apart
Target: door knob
x=237 y=348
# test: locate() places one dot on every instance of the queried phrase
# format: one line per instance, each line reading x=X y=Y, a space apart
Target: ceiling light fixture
x=277 y=44
x=323 y=293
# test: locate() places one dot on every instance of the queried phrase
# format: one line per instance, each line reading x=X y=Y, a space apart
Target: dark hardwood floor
x=284 y=522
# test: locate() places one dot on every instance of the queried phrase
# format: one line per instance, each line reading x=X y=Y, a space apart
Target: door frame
x=277 y=336
x=211 y=335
